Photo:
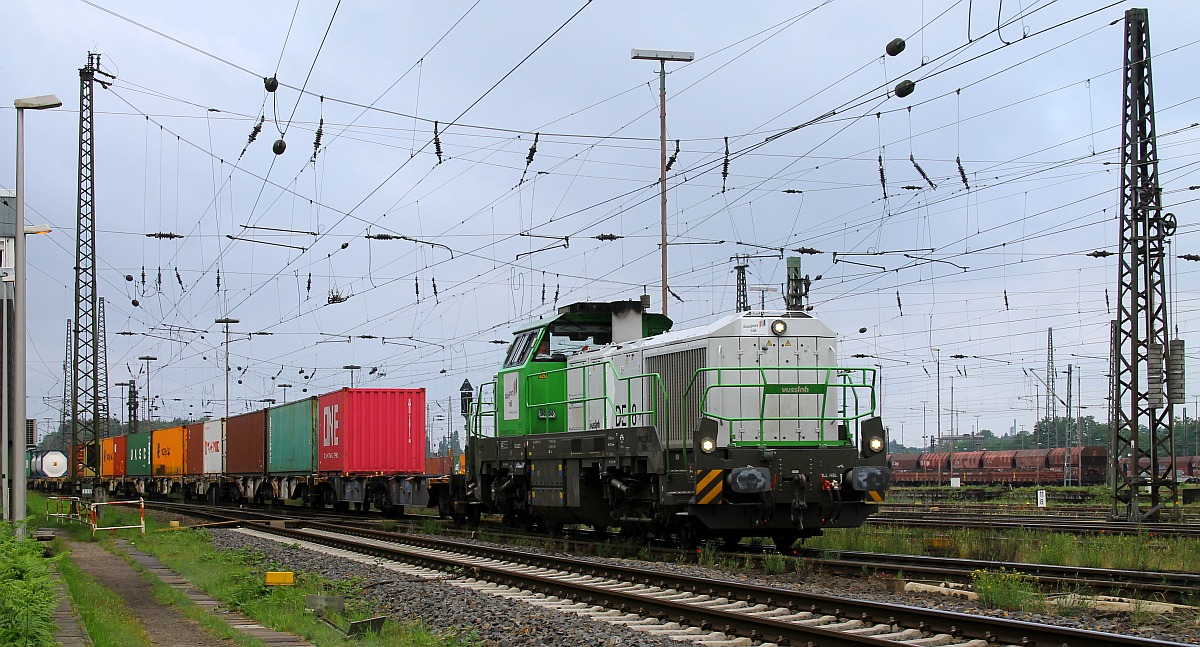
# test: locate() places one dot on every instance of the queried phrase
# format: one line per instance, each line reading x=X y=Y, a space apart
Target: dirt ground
x=165 y=624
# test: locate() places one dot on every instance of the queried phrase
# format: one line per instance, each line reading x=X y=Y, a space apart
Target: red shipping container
x=438 y=465
x=372 y=431
x=246 y=443
x=193 y=463
x=112 y=456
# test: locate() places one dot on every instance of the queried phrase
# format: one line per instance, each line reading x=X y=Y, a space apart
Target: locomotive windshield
x=518 y=352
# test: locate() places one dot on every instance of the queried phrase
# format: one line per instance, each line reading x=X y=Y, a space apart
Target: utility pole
x=662 y=56
x=226 y=321
x=1146 y=357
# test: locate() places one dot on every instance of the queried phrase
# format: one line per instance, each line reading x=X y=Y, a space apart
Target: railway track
x=941 y=520
x=1169 y=585
x=1159 y=584
x=684 y=606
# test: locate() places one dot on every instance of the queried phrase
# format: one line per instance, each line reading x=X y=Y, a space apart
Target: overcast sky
x=980 y=268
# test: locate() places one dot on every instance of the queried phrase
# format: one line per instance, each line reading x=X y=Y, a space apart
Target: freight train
x=603 y=416
x=1021 y=467
x=600 y=415
x=352 y=447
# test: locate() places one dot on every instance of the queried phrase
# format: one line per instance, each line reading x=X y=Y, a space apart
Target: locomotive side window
x=518 y=352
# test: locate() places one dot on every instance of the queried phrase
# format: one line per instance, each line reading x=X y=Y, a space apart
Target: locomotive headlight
x=875 y=444
x=779 y=326
x=707 y=445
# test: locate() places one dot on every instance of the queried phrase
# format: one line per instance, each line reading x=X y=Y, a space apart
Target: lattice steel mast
x=1143 y=350
x=64 y=420
x=1051 y=418
x=86 y=375
x=743 y=299
x=105 y=424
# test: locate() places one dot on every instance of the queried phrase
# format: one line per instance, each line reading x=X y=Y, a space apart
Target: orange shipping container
x=167 y=451
x=112 y=456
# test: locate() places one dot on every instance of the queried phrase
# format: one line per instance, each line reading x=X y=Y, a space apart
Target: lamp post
x=662 y=56
x=924 y=422
x=226 y=321
x=285 y=387
x=938 y=358
x=352 y=368
x=149 y=400
x=17 y=428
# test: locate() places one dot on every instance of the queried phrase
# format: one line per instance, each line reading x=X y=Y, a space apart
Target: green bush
x=1005 y=589
x=26 y=592
x=774 y=563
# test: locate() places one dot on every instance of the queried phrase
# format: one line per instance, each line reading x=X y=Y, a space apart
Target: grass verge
x=1143 y=551
x=235 y=578
x=108 y=621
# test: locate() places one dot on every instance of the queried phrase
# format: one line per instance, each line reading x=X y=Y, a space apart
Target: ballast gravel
x=443 y=607
x=497 y=621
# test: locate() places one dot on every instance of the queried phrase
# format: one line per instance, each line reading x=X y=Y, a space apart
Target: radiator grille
x=677 y=370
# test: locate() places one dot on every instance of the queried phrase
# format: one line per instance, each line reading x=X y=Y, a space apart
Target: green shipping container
x=137 y=454
x=291 y=436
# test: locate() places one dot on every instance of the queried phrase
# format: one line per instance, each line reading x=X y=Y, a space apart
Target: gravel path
x=497 y=621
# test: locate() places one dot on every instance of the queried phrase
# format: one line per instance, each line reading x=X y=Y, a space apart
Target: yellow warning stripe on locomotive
x=874 y=496
x=709 y=486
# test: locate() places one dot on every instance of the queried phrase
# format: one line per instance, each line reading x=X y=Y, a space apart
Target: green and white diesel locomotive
x=604 y=416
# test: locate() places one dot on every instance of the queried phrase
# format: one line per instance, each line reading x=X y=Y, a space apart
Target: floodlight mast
x=662 y=56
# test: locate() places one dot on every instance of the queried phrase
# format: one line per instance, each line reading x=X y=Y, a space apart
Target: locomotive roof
x=581 y=321
x=800 y=324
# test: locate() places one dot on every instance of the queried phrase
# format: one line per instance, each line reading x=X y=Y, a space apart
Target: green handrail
x=609 y=402
x=821 y=388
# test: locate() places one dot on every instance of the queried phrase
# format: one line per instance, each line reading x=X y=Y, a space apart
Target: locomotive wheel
x=689 y=535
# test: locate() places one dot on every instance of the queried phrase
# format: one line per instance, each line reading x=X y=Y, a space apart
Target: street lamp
x=662 y=56
x=352 y=368
x=938 y=358
x=17 y=428
x=285 y=387
x=226 y=321
x=148 y=359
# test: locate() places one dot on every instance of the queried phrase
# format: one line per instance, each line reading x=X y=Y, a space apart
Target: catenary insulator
x=1175 y=375
x=1154 y=375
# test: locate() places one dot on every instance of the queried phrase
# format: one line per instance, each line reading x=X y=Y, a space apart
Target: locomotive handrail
x=820 y=389
x=657 y=393
x=610 y=404
x=479 y=413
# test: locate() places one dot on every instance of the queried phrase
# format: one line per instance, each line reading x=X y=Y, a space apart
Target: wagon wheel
x=690 y=535
x=784 y=540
